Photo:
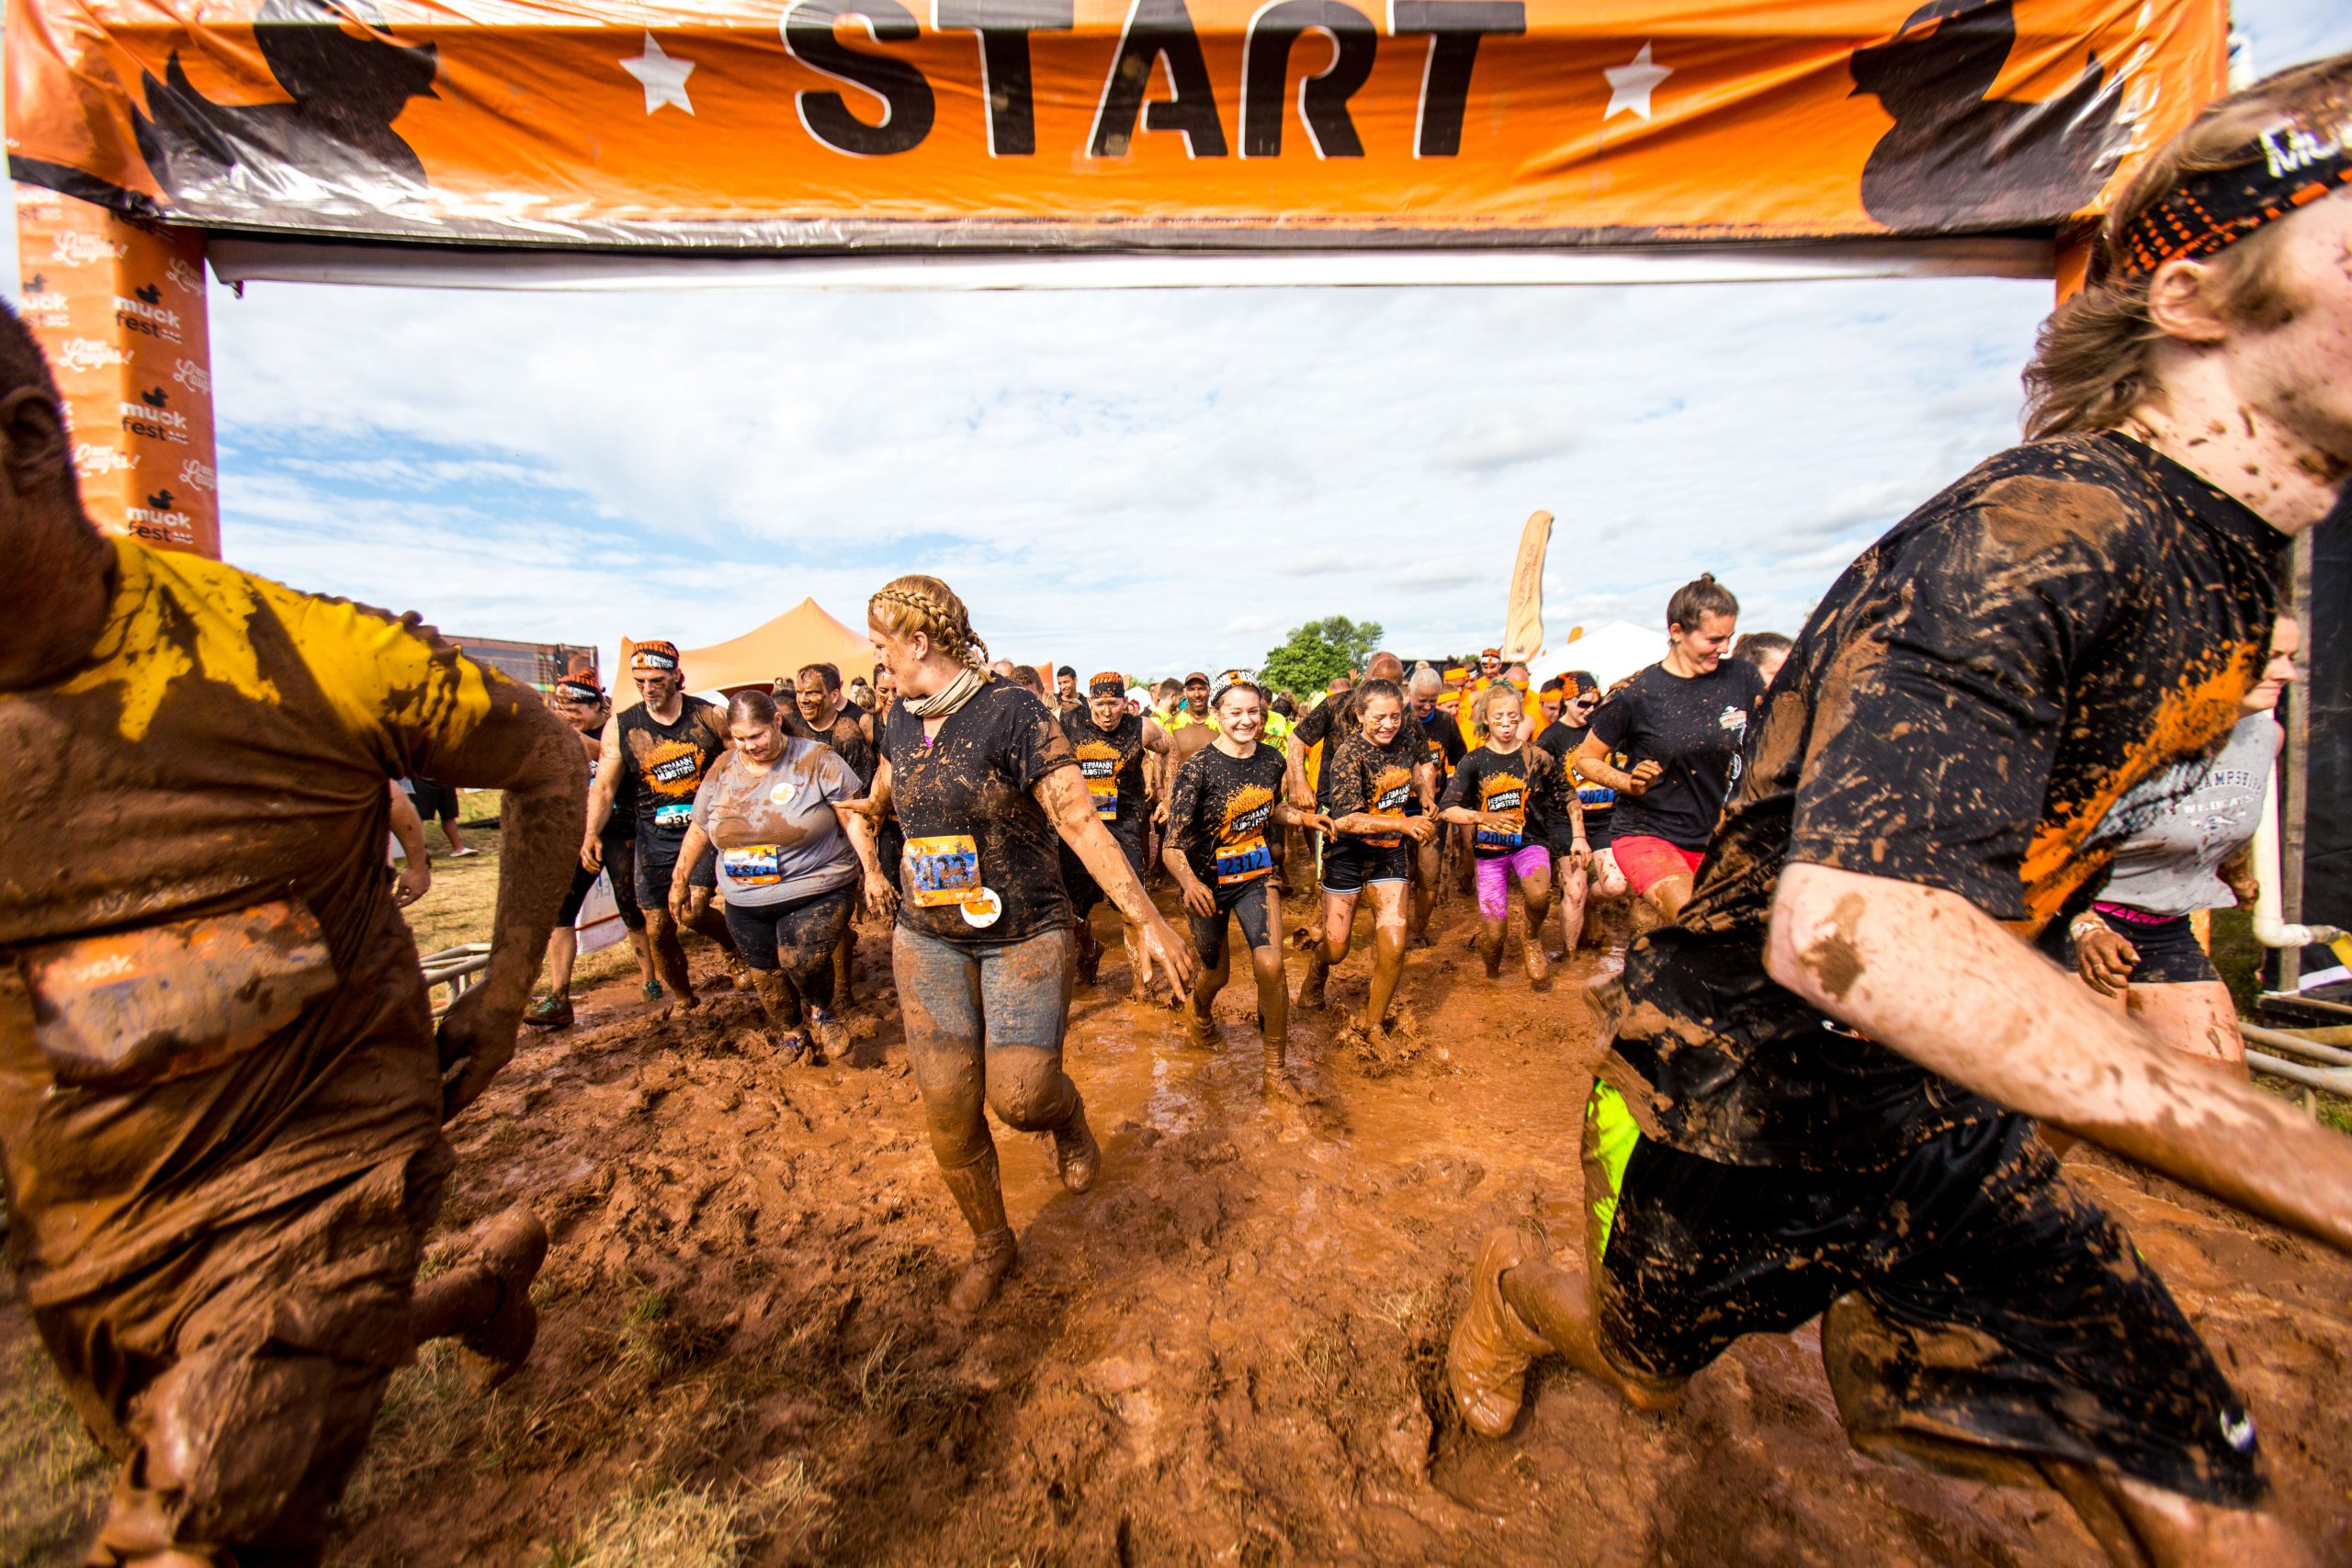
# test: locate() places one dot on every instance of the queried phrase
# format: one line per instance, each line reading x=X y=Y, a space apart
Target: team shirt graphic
x=1241 y=852
x=1098 y=764
x=1219 y=811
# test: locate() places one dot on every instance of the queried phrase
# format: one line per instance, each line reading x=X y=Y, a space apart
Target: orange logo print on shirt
x=671 y=767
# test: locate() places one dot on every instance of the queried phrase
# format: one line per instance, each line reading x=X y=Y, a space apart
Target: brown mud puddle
x=1230 y=1350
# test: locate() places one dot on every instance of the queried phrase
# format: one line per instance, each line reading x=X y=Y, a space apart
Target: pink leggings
x=1495 y=877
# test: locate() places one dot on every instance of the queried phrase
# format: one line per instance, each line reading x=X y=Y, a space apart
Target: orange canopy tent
x=805 y=634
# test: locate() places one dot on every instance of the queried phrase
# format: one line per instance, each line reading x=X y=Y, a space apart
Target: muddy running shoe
x=510 y=1251
x=993 y=1256
x=652 y=990
x=793 y=1050
x=741 y=974
x=1539 y=968
x=1486 y=1364
x=1200 y=1030
x=828 y=1036
x=550 y=1012
x=1077 y=1155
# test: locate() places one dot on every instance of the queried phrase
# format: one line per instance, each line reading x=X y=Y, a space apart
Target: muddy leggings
x=796 y=939
x=984 y=1032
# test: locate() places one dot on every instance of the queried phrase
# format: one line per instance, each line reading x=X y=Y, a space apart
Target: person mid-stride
x=1823 y=1090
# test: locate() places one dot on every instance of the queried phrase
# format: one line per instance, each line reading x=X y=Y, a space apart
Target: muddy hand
x=2105 y=961
x=682 y=905
x=476 y=1039
x=1165 y=953
x=1199 y=900
x=415 y=881
x=592 y=853
x=880 y=896
x=1643 y=775
x=1420 y=830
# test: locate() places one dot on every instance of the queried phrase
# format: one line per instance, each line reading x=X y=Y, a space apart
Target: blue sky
x=1155 y=479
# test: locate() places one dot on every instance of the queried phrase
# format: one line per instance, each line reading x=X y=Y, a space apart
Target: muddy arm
x=1294 y=770
x=544 y=787
x=602 y=792
x=1591 y=760
x=1062 y=791
x=1927 y=974
x=862 y=820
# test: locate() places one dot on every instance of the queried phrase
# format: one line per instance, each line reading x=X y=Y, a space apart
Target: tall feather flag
x=1523 y=622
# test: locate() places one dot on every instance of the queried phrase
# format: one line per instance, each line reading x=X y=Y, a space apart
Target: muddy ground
x=1231 y=1350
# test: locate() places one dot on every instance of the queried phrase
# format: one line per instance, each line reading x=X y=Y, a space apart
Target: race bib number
x=1502 y=800
x=752 y=865
x=943 y=869
x=1488 y=839
x=1245 y=860
x=1105 y=792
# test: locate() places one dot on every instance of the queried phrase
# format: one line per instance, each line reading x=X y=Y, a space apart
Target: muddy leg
x=939 y=1001
x=782 y=1004
x=1667 y=896
x=2139 y=1526
x=563 y=952
x=845 y=970
x=1535 y=899
x=1273 y=1013
x=486 y=1300
x=1199 y=1016
x=1428 y=867
x=1571 y=883
x=670 y=954
x=1490 y=946
x=1522 y=1308
x=1388 y=900
x=1339 y=931
x=1025 y=998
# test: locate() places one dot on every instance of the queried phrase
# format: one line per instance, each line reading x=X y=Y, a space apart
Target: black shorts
x=1982 y=1303
x=797 y=937
x=1598 y=833
x=620 y=859
x=1349 y=866
x=2168 y=952
x=657 y=863
x=1251 y=904
x=1085 y=892
x=434 y=802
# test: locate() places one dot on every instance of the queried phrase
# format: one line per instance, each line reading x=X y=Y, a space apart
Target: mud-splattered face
x=758 y=740
x=1705 y=645
x=1382 y=716
x=902 y=657
x=1107 y=710
x=2296 y=369
x=811 y=695
x=2286 y=641
x=659 y=687
x=1241 y=716
x=1504 y=716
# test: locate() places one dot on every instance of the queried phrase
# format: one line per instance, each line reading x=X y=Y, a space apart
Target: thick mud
x=1230 y=1350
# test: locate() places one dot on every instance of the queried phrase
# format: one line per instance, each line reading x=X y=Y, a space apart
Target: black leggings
x=620 y=859
x=797 y=937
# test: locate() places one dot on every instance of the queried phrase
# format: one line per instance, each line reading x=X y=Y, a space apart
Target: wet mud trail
x=1230 y=1350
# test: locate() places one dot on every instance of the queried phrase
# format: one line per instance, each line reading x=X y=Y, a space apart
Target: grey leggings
x=984 y=1031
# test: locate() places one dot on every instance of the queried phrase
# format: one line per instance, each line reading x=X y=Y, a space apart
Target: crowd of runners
x=2037 y=708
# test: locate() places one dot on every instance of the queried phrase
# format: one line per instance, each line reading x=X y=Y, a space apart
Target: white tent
x=1609 y=652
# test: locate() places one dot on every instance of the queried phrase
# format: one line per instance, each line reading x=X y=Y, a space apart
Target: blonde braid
x=939 y=614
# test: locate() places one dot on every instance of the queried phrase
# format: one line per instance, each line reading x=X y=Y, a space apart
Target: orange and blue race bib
x=942 y=870
x=752 y=865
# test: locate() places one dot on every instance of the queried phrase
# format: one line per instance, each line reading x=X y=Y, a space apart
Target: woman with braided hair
x=985 y=783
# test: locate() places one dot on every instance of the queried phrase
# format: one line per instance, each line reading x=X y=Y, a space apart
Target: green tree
x=1316 y=652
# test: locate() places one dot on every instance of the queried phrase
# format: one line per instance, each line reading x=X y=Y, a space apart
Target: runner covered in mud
x=1682 y=721
x=2134 y=943
x=1222 y=824
x=1506 y=792
x=661 y=747
x=1372 y=779
x=1115 y=750
x=1583 y=871
x=221 y=1089
x=769 y=811
x=585 y=706
x=984 y=781
x=1821 y=1093
x=816 y=711
x=1307 y=751
x=1444 y=737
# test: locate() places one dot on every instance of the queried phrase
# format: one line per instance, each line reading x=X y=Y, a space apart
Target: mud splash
x=1230 y=1349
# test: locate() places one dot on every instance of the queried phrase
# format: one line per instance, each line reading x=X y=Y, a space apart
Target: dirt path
x=1230 y=1350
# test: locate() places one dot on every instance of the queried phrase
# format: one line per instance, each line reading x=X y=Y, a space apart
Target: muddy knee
x=1028 y=1090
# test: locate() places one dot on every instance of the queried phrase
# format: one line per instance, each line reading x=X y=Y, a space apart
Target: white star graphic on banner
x=664 y=77
x=1629 y=87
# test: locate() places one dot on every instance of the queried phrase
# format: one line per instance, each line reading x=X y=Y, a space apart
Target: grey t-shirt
x=2168 y=865
x=777 y=836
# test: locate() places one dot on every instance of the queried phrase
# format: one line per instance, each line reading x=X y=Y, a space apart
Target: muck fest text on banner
x=117 y=306
x=1071 y=123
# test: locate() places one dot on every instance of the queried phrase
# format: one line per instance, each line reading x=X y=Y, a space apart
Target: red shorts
x=1647 y=862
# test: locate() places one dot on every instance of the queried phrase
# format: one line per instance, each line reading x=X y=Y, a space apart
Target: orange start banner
x=1065 y=124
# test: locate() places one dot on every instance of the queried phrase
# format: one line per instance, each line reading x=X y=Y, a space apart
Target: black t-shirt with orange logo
x=1523 y=784
x=1112 y=764
x=1694 y=724
x=666 y=762
x=1970 y=699
x=1220 y=813
x=1361 y=775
